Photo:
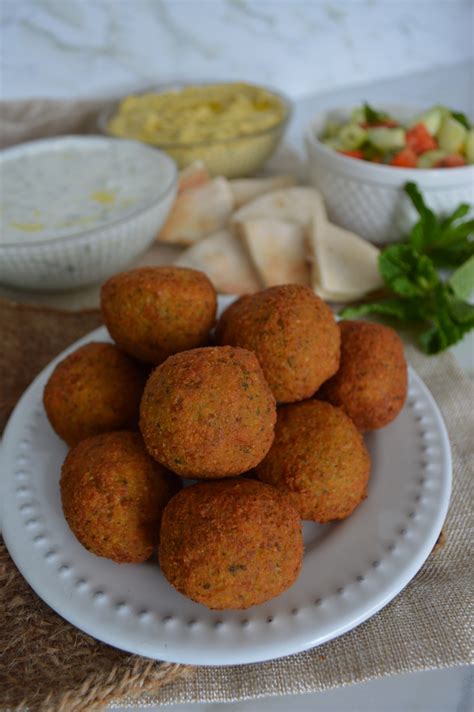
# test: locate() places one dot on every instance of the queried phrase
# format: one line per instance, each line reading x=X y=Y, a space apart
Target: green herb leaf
x=451 y=318
x=457 y=214
x=402 y=309
x=462 y=118
x=427 y=229
x=374 y=116
x=406 y=272
x=461 y=312
x=462 y=280
x=409 y=269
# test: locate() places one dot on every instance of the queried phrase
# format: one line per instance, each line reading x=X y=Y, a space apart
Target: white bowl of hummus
x=76 y=209
x=232 y=127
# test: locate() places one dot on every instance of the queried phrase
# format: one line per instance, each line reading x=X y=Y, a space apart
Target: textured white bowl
x=368 y=198
x=93 y=255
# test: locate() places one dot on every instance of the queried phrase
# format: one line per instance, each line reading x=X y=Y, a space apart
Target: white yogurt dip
x=65 y=186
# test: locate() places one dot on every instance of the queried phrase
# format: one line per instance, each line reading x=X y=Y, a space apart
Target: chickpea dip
x=233 y=128
x=197 y=114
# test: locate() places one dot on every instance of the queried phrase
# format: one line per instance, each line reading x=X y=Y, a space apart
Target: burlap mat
x=46 y=664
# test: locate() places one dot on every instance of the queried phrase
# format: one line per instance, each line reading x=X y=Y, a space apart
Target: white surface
x=89 y=47
x=362 y=562
x=100 y=250
x=368 y=198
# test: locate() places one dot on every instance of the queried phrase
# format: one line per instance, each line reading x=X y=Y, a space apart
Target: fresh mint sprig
x=409 y=270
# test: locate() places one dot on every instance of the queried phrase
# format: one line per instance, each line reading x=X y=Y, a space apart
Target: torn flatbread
x=223 y=258
x=193 y=176
x=297 y=205
x=245 y=190
x=277 y=250
x=198 y=212
x=344 y=265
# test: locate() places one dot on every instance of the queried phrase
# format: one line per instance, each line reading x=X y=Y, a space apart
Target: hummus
x=197 y=114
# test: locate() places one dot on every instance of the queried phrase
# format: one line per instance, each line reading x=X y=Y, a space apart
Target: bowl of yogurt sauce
x=76 y=209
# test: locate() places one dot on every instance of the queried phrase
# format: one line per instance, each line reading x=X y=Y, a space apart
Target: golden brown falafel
x=208 y=412
x=113 y=495
x=371 y=383
x=293 y=334
x=230 y=544
x=94 y=390
x=319 y=459
x=153 y=312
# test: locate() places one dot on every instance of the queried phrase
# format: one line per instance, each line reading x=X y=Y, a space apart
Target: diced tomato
x=420 y=140
x=452 y=161
x=406 y=158
x=388 y=123
x=352 y=154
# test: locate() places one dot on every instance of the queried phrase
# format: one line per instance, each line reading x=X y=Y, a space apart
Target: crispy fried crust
x=208 y=413
x=153 y=312
x=293 y=334
x=113 y=495
x=371 y=384
x=319 y=459
x=94 y=390
x=230 y=544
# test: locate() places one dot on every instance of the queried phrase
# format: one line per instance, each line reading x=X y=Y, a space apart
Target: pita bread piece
x=222 y=257
x=298 y=205
x=277 y=249
x=344 y=265
x=246 y=189
x=198 y=212
x=193 y=176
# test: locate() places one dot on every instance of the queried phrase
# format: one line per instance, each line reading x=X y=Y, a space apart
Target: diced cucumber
x=431 y=119
x=469 y=146
x=452 y=135
x=386 y=139
x=334 y=143
x=431 y=158
x=358 y=115
x=332 y=129
x=352 y=136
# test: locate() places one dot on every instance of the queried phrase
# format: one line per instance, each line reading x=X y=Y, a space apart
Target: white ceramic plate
x=351 y=569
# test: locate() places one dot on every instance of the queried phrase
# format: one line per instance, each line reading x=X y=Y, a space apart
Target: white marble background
x=72 y=48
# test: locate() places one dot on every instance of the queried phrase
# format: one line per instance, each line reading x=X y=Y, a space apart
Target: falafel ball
x=208 y=412
x=94 y=390
x=153 y=312
x=293 y=334
x=371 y=384
x=230 y=544
x=113 y=495
x=319 y=459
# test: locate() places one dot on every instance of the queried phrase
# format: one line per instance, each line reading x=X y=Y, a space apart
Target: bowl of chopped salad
x=361 y=158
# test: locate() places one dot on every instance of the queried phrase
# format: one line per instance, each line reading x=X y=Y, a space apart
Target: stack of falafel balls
x=267 y=412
